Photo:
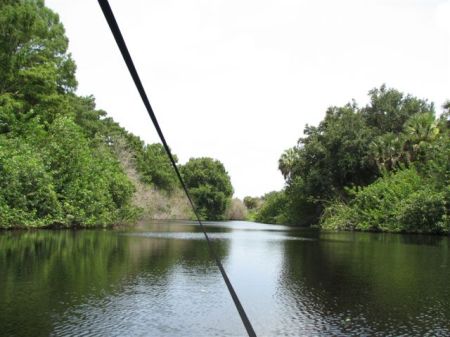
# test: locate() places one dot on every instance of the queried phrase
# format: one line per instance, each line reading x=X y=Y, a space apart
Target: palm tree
x=287 y=162
x=421 y=130
x=388 y=152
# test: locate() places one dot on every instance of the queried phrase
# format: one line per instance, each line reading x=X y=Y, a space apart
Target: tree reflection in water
x=367 y=284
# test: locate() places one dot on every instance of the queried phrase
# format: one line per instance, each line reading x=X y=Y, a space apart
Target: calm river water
x=158 y=280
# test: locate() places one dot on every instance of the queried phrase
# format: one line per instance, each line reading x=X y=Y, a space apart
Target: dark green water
x=158 y=280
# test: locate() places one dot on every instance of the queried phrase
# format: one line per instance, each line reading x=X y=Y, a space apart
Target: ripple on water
x=216 y=236
x=176 y=306
x=162 y=283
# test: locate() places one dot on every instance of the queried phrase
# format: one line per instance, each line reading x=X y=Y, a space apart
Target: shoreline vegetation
x=383 y=167
x=65 y=163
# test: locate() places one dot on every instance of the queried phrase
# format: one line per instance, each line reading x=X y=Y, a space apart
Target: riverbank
x=379 y=167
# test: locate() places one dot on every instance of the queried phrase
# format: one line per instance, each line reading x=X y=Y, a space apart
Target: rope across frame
x=110 y=18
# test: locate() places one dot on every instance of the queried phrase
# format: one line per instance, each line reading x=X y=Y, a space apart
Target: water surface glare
x=158 y=280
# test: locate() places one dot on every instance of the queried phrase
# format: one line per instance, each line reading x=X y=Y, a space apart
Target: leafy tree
x=35 y=67
x=251 y=202
x=56 y=164
x=33 y=50
x=210 y=186
x=354 y=146
x=329 y=158
x=273 y=209
x=27 y=193
x=156 y=168
x=389 y=109
x=90 y=183
x=413 y=194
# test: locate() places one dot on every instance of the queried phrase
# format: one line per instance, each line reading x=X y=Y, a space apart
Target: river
x=158 y=280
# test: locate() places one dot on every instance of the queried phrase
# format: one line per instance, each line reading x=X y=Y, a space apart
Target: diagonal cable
x=109 y=15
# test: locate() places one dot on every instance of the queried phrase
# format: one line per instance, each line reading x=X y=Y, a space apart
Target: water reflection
x=158 y=280
x=44 y=274
x=357 y=284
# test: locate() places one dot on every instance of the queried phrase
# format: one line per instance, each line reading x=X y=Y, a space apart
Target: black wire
x=109 y=15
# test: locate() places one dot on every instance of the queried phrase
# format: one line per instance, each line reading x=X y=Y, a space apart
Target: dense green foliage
x=156 y=168
x=60 y=179
x=273 y=208
x=51 y=172
x=412 y=195
x=54 y=170
x=402 y=201
x=251 y=202
x=384 y=166
x=209 y=185
x=62 y=161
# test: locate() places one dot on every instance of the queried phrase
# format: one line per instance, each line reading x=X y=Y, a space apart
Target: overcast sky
x=237 y=80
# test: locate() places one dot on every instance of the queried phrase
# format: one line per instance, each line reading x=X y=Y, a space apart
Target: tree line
x=380 y=167
x=61 y=157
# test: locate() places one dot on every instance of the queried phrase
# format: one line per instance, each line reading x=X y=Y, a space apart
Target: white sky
x=237 y=80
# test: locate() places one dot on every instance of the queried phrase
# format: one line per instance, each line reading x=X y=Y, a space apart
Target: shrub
x=27 y=193
x=236 y=211
x=339 y=216
x=424 y=211
x=273 y=210
x=399 y=202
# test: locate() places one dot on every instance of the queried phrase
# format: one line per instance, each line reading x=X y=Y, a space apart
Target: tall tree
x=389 y=109
x=156 y=168
x=209 y=185
x=350 y=147
x=53 y=170
x=34 y=64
